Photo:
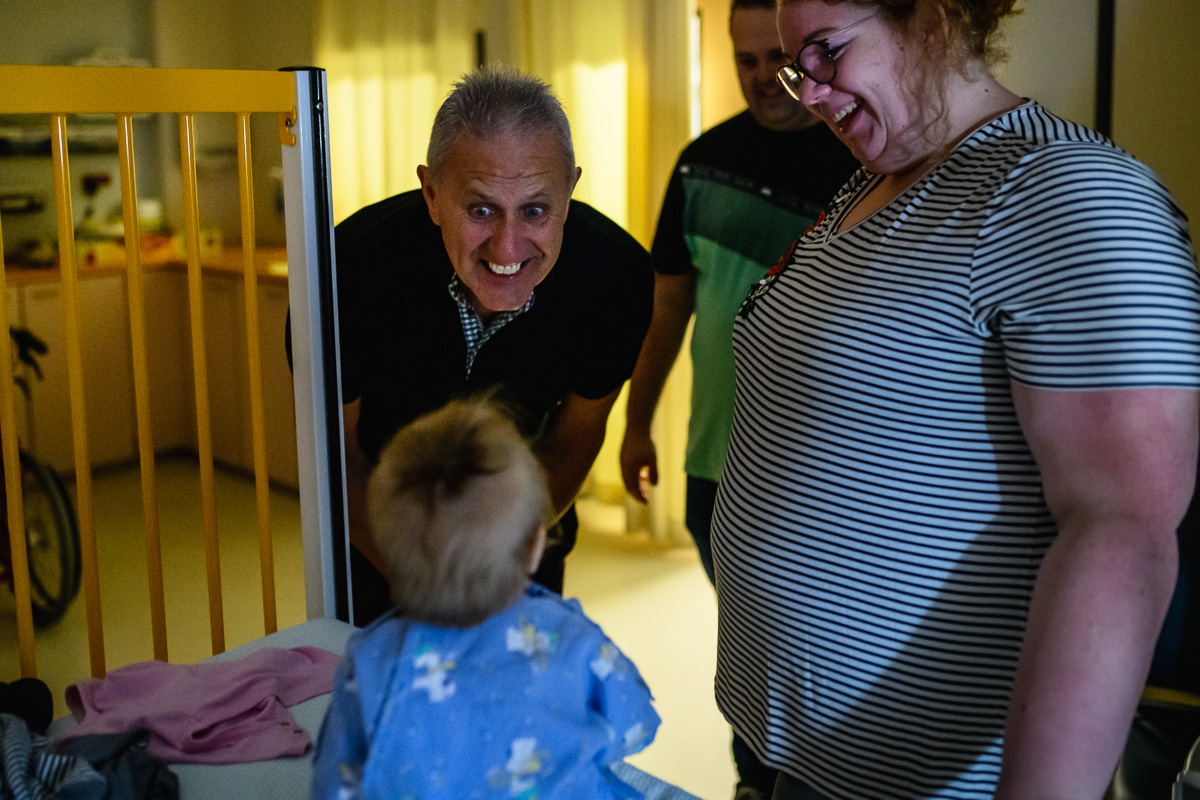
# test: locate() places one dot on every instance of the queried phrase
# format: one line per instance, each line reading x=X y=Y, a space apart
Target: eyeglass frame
x=783 y=74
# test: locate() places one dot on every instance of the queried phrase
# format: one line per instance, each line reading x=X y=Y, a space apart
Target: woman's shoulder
x=1031 y=146
x=1039 y=125
x=1033 y=133
x=1056 y=153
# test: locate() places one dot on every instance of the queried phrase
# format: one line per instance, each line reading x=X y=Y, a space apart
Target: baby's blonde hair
x=454 y=505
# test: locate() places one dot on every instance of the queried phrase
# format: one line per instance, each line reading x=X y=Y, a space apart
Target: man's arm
x=674 y=302
x=1118 y=468
x=358 y=470
x=570 y=445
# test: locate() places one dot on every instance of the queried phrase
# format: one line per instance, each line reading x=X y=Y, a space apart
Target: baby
x=480 y=683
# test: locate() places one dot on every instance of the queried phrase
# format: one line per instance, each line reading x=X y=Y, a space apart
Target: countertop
x=108 y=258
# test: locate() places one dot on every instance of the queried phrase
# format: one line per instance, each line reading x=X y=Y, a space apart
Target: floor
x=654 y=602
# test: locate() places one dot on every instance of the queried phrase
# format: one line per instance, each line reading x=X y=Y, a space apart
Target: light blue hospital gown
x=534 y=703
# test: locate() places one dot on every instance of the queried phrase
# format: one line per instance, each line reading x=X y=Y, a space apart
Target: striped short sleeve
x=1084 y=270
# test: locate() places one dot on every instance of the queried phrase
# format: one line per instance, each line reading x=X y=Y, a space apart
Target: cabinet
x=225 y=350
x=229 y=376
x=169 y=361
x=27 y=178
x=44 y=424
x=278 y=392
x=107 y=373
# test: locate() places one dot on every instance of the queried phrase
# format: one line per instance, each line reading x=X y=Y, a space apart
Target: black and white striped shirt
x=880 y=519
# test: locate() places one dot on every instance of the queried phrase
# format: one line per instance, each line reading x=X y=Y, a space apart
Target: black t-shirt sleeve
x=621 y=311
x=670 y=251
x=351 y=264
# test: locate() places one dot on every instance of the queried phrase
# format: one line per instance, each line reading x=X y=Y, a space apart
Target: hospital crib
x=296 y=98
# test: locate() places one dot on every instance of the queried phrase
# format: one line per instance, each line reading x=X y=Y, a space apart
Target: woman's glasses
x=815 y=61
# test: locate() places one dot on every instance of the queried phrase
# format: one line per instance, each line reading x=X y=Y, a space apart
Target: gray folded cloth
x=131 y=772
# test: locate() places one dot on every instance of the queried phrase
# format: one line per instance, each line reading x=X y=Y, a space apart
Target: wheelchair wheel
x=52 y=538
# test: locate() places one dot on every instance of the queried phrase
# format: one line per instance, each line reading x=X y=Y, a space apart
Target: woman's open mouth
x=841 y=115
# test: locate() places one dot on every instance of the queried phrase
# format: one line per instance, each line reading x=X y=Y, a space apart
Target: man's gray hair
x=493 y=102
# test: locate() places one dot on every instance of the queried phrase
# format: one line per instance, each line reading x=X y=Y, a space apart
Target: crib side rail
x=122 y=92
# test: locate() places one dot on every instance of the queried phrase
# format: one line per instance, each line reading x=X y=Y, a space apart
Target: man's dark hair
x=748 y=4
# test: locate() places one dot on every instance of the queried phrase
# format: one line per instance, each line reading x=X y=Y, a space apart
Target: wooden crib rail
x=137 y=90
x=296 y=97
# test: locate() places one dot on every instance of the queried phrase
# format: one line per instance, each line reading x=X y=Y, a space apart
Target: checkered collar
x=474 y=331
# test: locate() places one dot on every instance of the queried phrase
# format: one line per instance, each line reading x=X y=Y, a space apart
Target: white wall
x=1052 y=45
x=1052 y=56
x=1156 y=97
x=58 y=32
x=229 y=34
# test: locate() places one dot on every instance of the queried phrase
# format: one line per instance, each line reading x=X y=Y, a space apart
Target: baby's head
x=458 y=507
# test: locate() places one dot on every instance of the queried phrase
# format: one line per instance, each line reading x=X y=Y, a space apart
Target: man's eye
x=534 y=212
x=480 y=212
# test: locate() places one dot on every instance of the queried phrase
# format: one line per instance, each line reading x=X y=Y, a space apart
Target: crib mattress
x=283 y=778
x=290 y=778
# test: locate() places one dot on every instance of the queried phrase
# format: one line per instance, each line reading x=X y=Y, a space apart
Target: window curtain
x=389 y=64
x=621 y=70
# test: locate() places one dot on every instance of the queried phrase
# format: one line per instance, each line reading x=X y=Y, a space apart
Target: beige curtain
x=389 y=64
x=621 y=69
x=662 y=104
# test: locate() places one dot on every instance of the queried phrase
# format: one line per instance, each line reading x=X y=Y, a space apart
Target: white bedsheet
x=283 y=778
x=290 y=778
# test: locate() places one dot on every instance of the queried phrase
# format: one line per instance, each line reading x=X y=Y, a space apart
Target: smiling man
x=489 y=278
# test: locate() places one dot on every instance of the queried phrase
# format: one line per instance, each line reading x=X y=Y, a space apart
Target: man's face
x=758 y=54
x=501 y=204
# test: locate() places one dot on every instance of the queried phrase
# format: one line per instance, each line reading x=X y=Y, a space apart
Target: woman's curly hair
x=950 y=35
x=973 y=24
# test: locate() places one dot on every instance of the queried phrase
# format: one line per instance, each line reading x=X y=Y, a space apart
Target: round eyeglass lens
x=817 y=62
x=790 y=78
x=814 y=62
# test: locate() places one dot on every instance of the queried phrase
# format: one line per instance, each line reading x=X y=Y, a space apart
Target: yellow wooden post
x=72 y=338
x=208 y=500
x=141 y=385
x=266 y=556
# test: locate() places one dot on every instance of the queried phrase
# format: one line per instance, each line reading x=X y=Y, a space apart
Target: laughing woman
x=965 y=432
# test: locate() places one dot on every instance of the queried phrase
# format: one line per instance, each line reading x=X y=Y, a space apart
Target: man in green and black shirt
x=739 y=195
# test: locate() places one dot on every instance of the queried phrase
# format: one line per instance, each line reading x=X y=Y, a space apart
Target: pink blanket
x=214 y=712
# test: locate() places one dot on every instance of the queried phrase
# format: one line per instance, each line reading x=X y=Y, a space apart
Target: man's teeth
x=504 y=269
x=838 y=117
